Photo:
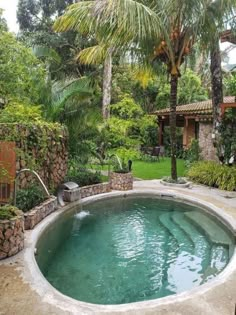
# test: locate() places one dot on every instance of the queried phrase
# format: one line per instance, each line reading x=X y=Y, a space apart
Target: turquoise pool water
x=132 y=249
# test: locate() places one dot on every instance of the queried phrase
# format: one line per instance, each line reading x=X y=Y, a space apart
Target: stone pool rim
x=53 y=296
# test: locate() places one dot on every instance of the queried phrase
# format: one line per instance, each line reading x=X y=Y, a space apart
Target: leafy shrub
x=129 y=126
x=179 y=142
x=83 y=177
x=7 y=212
x=127 y=154
x=192 y=154
x=20 y=113
x=29 y=197
x=22 y=75
x=227 y=129
x=213 y=174
x=124 y=155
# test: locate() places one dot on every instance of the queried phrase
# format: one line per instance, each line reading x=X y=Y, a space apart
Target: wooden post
x=161 y=131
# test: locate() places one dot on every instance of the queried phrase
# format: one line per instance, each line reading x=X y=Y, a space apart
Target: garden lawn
x=150 y=170
x=156 y=170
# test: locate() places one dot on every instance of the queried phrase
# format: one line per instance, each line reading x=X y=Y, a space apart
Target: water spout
x=36 y=175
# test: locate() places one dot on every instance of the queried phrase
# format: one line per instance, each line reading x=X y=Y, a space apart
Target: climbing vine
x=227 y=129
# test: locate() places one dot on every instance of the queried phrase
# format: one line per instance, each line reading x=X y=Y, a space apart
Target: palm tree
x=216 y=22
x=151 y=31
x=107 y=80
x=95 y=55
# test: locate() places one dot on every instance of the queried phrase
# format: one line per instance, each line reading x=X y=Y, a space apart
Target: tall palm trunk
x=173 y=103
x=107 y=77
x=216 y=85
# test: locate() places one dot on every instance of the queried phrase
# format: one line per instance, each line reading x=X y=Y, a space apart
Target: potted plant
x=121 y=177
x=11 y=231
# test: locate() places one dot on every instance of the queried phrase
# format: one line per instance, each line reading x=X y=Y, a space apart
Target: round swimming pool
x=124 y=250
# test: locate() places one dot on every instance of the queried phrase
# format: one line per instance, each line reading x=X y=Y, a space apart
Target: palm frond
x=46 y=52
x=67 y=97
x=143 y=74
x=92 y=55
x=138 y=20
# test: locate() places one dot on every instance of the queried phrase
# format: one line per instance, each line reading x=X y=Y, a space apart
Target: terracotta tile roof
x=228 y=36
x=203 y=108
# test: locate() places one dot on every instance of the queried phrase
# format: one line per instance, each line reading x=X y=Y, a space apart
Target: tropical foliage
x=16 y=112
x=30 y=197
x=227 y=129
x=8 y=212
x=129 y=127
x=22 y=76
x=164 y=32
x=213 y=174
x=159 y=53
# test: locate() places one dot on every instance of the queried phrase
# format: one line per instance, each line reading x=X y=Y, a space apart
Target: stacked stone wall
x=37 y=214
x=87 y=191
x=42 y=148
x=11 y=236
x=121 y=181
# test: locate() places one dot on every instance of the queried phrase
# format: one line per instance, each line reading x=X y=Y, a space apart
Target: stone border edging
x=11 y=236
x=54 y=297
x=38 y=213
x=185 y=185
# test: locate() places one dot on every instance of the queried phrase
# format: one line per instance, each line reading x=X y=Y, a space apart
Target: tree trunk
x=107 y=77
x=173 y=103
x=216 y=85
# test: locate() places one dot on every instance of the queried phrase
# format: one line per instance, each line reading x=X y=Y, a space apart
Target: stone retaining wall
x=37 y=214
x=86 y=191
x=121 y=181
x=42 y=148
x=11 y=236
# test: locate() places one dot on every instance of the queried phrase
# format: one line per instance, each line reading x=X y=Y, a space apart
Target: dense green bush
x=179 y=142
x=129 y=126
x=83 y=177
x=22 y=76
x=192 y=154
x=7 y=212
x=213 y=174
x=227 y=128
x=16 y=112
x=29 y=197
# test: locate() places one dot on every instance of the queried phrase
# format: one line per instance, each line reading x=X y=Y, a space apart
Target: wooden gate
x=7 y=170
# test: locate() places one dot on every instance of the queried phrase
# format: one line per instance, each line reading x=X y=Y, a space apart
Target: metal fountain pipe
x=36 y=175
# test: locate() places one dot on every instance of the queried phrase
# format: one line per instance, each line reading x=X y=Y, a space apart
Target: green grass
x=156 y=170
x=150 y=170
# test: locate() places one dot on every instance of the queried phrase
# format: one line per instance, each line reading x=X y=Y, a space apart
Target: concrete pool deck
x=24 y=291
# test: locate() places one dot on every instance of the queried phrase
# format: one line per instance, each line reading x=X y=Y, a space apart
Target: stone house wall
x=42 y=148
x=208 y=151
